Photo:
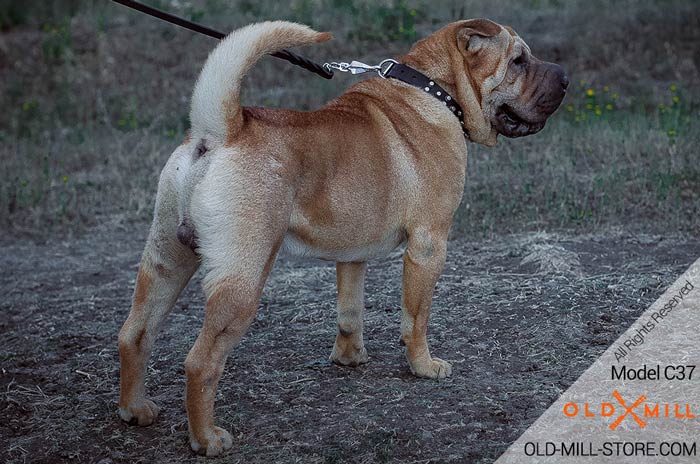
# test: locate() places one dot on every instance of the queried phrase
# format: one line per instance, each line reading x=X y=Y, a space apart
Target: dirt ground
x=519 y=316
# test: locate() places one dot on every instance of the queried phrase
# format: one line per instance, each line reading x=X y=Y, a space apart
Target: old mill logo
x=639 y=411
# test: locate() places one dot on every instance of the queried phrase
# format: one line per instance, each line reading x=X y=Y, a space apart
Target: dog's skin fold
x=382 y=165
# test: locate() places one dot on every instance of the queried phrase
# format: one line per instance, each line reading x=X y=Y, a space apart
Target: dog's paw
x=349 y=358
x=436 y=368
x=143 y=412
x=217 y=440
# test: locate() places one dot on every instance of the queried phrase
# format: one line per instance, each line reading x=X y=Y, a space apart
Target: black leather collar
x=412 y=76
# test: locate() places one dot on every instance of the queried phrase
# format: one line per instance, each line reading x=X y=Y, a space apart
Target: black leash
x=171 y=18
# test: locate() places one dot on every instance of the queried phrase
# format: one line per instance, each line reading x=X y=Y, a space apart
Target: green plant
x=128 y=122
x=57 y=44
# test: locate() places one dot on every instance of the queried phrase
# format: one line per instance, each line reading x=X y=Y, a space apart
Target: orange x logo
x=628 y=411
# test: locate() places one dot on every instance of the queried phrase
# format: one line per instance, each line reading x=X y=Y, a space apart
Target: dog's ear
x=476 y=28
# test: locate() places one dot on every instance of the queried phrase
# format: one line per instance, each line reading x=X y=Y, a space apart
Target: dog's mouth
x=511 y=124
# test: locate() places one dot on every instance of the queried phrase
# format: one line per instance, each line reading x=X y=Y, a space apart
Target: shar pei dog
x=379 y=167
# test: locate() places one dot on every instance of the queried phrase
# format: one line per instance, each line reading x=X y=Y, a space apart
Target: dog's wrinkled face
x=516 y=91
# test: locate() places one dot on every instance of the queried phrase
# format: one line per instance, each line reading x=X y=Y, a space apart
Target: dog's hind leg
x=166 y=267
x=232 y=302
x=349 y=348
x=238 y=236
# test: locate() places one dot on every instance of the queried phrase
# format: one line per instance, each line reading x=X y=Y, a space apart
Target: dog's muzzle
x=517 y=119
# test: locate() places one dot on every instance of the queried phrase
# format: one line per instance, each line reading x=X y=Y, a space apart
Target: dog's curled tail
x=216 y=112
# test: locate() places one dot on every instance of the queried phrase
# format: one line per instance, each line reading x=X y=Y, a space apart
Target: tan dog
x=382 y=165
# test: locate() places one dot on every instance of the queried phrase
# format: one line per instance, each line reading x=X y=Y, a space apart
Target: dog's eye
x=520 y=60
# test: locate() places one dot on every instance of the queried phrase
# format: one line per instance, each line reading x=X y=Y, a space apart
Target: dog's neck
x=428 y=59
x=435 y=57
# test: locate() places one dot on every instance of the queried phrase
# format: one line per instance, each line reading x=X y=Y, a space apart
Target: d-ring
x=385 y=66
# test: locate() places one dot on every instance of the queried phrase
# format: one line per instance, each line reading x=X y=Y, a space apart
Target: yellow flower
x=590 y=92
x=676 y=99
x=606 y=89
x=569 y=107
x=671 y=132
x=609 y=107
x=615 y=96
x=64 y=179
x=673 y=88
x=598 y=111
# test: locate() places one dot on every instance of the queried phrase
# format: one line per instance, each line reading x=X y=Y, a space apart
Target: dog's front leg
x=349 y=348
x=422 y=265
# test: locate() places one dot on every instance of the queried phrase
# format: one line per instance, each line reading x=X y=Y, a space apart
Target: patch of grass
x=605 y=160
x=98 y=95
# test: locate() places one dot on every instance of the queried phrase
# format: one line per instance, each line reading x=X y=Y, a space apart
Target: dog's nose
x=564 y=80
x=561 y=74
x=557 y=75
